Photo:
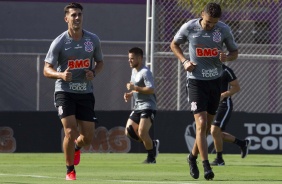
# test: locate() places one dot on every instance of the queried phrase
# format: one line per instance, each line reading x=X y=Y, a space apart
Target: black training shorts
x=223 y=114
x=136 y=115
x=204 y=95
x=80 y=105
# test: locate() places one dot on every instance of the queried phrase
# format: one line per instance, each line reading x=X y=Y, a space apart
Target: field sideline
x=34 y=168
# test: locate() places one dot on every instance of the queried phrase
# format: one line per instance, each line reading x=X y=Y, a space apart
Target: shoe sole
x=222 y=164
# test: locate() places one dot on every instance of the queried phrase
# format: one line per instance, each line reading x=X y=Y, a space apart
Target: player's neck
x=138 y=68
x=75 y=35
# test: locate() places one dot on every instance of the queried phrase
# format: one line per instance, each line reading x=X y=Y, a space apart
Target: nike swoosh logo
x=67 y=48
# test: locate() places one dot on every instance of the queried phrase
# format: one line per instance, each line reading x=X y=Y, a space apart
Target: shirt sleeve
x=230 y=41
x=53 y=53
x=98 y=54
x=182 y=35
x=148 y=79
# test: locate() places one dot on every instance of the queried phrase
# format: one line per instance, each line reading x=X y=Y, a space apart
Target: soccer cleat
x=209 y=175
x=156 y=145
x=218 y=162
x=149 y=160
x=76 y=157
x=194 y=170
x=71 y=175
x=245 y=149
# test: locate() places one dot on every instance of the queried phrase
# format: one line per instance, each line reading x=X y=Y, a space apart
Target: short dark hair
x=72 y=5
x=137 y=51
x=213 y=10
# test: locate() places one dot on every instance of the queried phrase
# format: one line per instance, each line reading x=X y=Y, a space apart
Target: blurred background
x=28 y=27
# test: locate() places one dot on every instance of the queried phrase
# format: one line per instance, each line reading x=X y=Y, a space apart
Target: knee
x=70 y=134
x=215 y=131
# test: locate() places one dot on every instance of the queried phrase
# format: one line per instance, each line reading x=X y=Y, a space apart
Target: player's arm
x=50 y=72
x=98 y=67
x=127 y=96
x=177 y=51
x=144 y=90
x=231 y=56
x=188 y=65
x=234 y=88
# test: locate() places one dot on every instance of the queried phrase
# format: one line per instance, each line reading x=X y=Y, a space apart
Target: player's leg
x=70 y=130
x=131 y=128
x=86 y=133
x=201 y=129
x=213 y=102
x=221 y=119
x=243 y=144
x=86 y=120
x=66 y=111
x=218 y=144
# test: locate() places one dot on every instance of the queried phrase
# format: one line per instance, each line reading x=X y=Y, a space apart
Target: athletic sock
x=70 y=168
x=77 y=147
x=192 y=157
x=219 y=155
x=151 y=153
x=206 y=165
x=239 y=142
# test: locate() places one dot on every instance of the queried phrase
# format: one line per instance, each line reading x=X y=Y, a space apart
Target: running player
x=75 y=52
x=206 y=37
x=229 y=86
x=141 y=88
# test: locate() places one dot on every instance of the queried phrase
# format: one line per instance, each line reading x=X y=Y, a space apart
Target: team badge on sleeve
x=88 y=46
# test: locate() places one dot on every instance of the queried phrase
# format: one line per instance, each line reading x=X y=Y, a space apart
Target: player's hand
x=89 y=74
x=222 y=56
x=127 y=96
x=189 y=66
x=67 y=75
x=130 y=86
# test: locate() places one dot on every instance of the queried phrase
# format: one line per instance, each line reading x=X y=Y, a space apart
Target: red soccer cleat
x=71 y=175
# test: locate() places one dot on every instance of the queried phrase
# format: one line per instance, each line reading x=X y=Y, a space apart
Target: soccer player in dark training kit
x=141 y=87
x=229 y=86
x=78 y=56
x=206 y=37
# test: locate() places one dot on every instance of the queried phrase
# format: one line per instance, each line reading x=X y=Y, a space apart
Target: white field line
x=101 y=180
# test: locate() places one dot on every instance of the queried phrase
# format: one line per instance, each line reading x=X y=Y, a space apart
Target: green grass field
x=117 y=168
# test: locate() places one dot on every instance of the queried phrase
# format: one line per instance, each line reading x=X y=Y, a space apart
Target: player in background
x=141 y=88
x=229 y=86
x=78 y=56
x=206 y=37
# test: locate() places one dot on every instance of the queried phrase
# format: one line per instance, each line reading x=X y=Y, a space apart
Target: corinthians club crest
x=88 y=46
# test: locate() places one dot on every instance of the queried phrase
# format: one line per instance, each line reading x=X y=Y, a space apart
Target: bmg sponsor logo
x=106 y=141
x=8 y=143
x=265 y=136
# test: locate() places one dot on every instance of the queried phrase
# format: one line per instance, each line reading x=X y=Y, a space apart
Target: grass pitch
x=18 y=168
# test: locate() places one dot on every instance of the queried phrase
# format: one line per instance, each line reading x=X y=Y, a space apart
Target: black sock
x=192 y=157
x=206 y=164
x=239 y=142
x=151 y=153
x=219 y=154
x=76 y=147
x=70 y=168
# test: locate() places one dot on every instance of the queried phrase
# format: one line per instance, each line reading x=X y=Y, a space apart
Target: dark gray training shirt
x=143 y=78
x=78 y=55
x=204 y=47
